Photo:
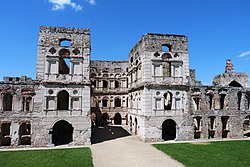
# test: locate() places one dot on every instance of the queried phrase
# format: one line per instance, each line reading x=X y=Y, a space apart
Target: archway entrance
x=62 y=133
x=169 y=130
x=117 y=119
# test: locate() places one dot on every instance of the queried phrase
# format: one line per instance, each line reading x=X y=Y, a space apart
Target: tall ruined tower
x=63 y=71
x=158 y=83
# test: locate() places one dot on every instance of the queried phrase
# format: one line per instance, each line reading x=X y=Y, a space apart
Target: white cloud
x=244 y=54
x=60 y=4
x=91 y=2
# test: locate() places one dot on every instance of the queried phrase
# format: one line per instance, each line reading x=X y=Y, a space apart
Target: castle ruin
x=154 y=92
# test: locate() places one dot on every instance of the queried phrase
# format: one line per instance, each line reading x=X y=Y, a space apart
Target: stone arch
x=117 y=119
x=169 y=129
x=24 y=134
x=166 y=47
x=63 y=100
x=235 y=84
x=64 y=43
x=62 y=133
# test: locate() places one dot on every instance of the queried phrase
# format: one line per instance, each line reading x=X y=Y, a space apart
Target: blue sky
x=216 y=29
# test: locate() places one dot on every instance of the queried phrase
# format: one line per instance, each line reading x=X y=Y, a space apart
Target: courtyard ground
x=116 y=148
x=227 y=153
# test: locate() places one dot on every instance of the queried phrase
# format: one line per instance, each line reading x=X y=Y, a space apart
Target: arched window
x=7 y=102
x=65 y=43
x=168 y=101
x=117 y=102
x=24 y=134
x=63 y=100
x=166 y=48
x=64 y=61
x=104 y=103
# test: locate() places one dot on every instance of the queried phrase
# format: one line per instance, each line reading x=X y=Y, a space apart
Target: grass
x=212 y=154
x=75 y=157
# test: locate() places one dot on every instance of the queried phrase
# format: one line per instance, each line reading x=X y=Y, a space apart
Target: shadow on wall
x=101 y=134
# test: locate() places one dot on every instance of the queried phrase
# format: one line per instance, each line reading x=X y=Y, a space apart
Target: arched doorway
x=62 y=133
x=169 y=130
x=117 y=119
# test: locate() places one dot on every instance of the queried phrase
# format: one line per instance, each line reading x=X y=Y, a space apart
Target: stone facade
x=109 y=92
x=54 y=109
x=154 y=92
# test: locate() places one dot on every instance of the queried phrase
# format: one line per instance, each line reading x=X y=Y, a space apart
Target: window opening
x=211 y=130
x=246 y=126
x=24 y=134
x=64 y=61
x=105 y=84
x=117 y=102
x=117 y=85
x=197 y=102
x=224 y=120
x=239 y=95
x=210 y=101
x=5 y=138
x=26 y=103
x=166 y=48
x=65 y=43
x=104 y=103
x=222 y=99
x=7 y=102
x=63 y=100
x=167 y=69
x=197 y=127
x=93 y=83
x=168 y=101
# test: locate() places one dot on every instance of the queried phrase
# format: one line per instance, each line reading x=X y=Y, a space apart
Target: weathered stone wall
x=109 y=91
